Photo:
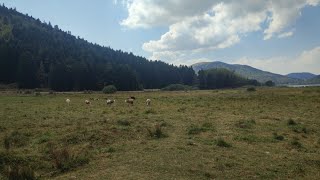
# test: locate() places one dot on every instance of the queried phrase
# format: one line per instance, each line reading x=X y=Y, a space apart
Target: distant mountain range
x=302 y=75
x=262 y=76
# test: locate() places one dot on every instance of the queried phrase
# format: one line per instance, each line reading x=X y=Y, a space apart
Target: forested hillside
x=36 y=54
x=222 y=78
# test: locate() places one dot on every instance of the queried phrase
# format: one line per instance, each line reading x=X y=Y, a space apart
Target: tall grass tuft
x=156 y=132
x=222 y=143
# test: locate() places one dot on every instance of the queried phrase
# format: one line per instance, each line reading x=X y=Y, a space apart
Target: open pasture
x=271 y=133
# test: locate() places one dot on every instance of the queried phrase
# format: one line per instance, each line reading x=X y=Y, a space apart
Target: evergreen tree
x=27 y=77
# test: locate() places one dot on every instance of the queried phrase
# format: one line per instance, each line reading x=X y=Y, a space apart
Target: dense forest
x=35 y=54
x=222 y=78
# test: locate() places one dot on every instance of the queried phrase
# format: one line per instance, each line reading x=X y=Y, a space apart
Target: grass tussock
x=291 y=122
x=222 y=143
x=297 y=127
x=64 y=159
x=246 y=124
x=15 y=139
x=295 y=143
x=157 y=132
x=17 y=172
x=278 y=137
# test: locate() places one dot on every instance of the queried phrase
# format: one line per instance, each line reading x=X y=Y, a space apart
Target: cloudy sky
x=280 y=36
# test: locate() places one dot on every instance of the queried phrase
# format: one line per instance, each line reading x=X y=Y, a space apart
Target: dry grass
x=97 y=141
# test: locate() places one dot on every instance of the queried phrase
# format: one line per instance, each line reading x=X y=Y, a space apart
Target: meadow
x=270 y=133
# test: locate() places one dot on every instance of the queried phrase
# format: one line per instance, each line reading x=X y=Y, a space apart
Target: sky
x=272 y=35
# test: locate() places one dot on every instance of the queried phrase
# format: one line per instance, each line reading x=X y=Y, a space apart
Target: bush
x=109 y=89
x=251 y=89
x=178 y=87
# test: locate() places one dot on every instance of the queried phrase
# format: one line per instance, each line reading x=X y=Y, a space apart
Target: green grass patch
x=246 y=124
x=194 y=129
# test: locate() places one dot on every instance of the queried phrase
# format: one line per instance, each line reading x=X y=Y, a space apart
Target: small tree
x=110 y=89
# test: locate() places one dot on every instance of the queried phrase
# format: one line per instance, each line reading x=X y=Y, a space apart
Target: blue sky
x=280 y=37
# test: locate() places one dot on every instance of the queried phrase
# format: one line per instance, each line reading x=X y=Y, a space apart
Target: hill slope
x=246 y=71
x=315 y=80
x=35 y=54
x=302 y=76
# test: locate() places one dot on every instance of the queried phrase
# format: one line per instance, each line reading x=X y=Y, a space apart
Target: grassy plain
x=271 y=133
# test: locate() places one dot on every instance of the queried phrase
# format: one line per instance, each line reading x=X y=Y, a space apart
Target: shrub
x=178 y=87
x=109 y=89
x=222 y=143
x=156 y=132
x=251 y=89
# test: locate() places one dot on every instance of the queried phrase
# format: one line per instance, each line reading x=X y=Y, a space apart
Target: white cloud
x=206 y=25
x=307 y=61
x=285 y=34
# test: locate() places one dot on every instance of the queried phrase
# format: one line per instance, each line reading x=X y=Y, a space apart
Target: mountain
x=302 y=76
x=36 y=54
x=246 y=71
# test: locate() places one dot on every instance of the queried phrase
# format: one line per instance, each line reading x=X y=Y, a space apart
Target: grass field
x=272 y=133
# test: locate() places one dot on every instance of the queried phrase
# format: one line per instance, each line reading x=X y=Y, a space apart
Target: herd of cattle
x=129 y=100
